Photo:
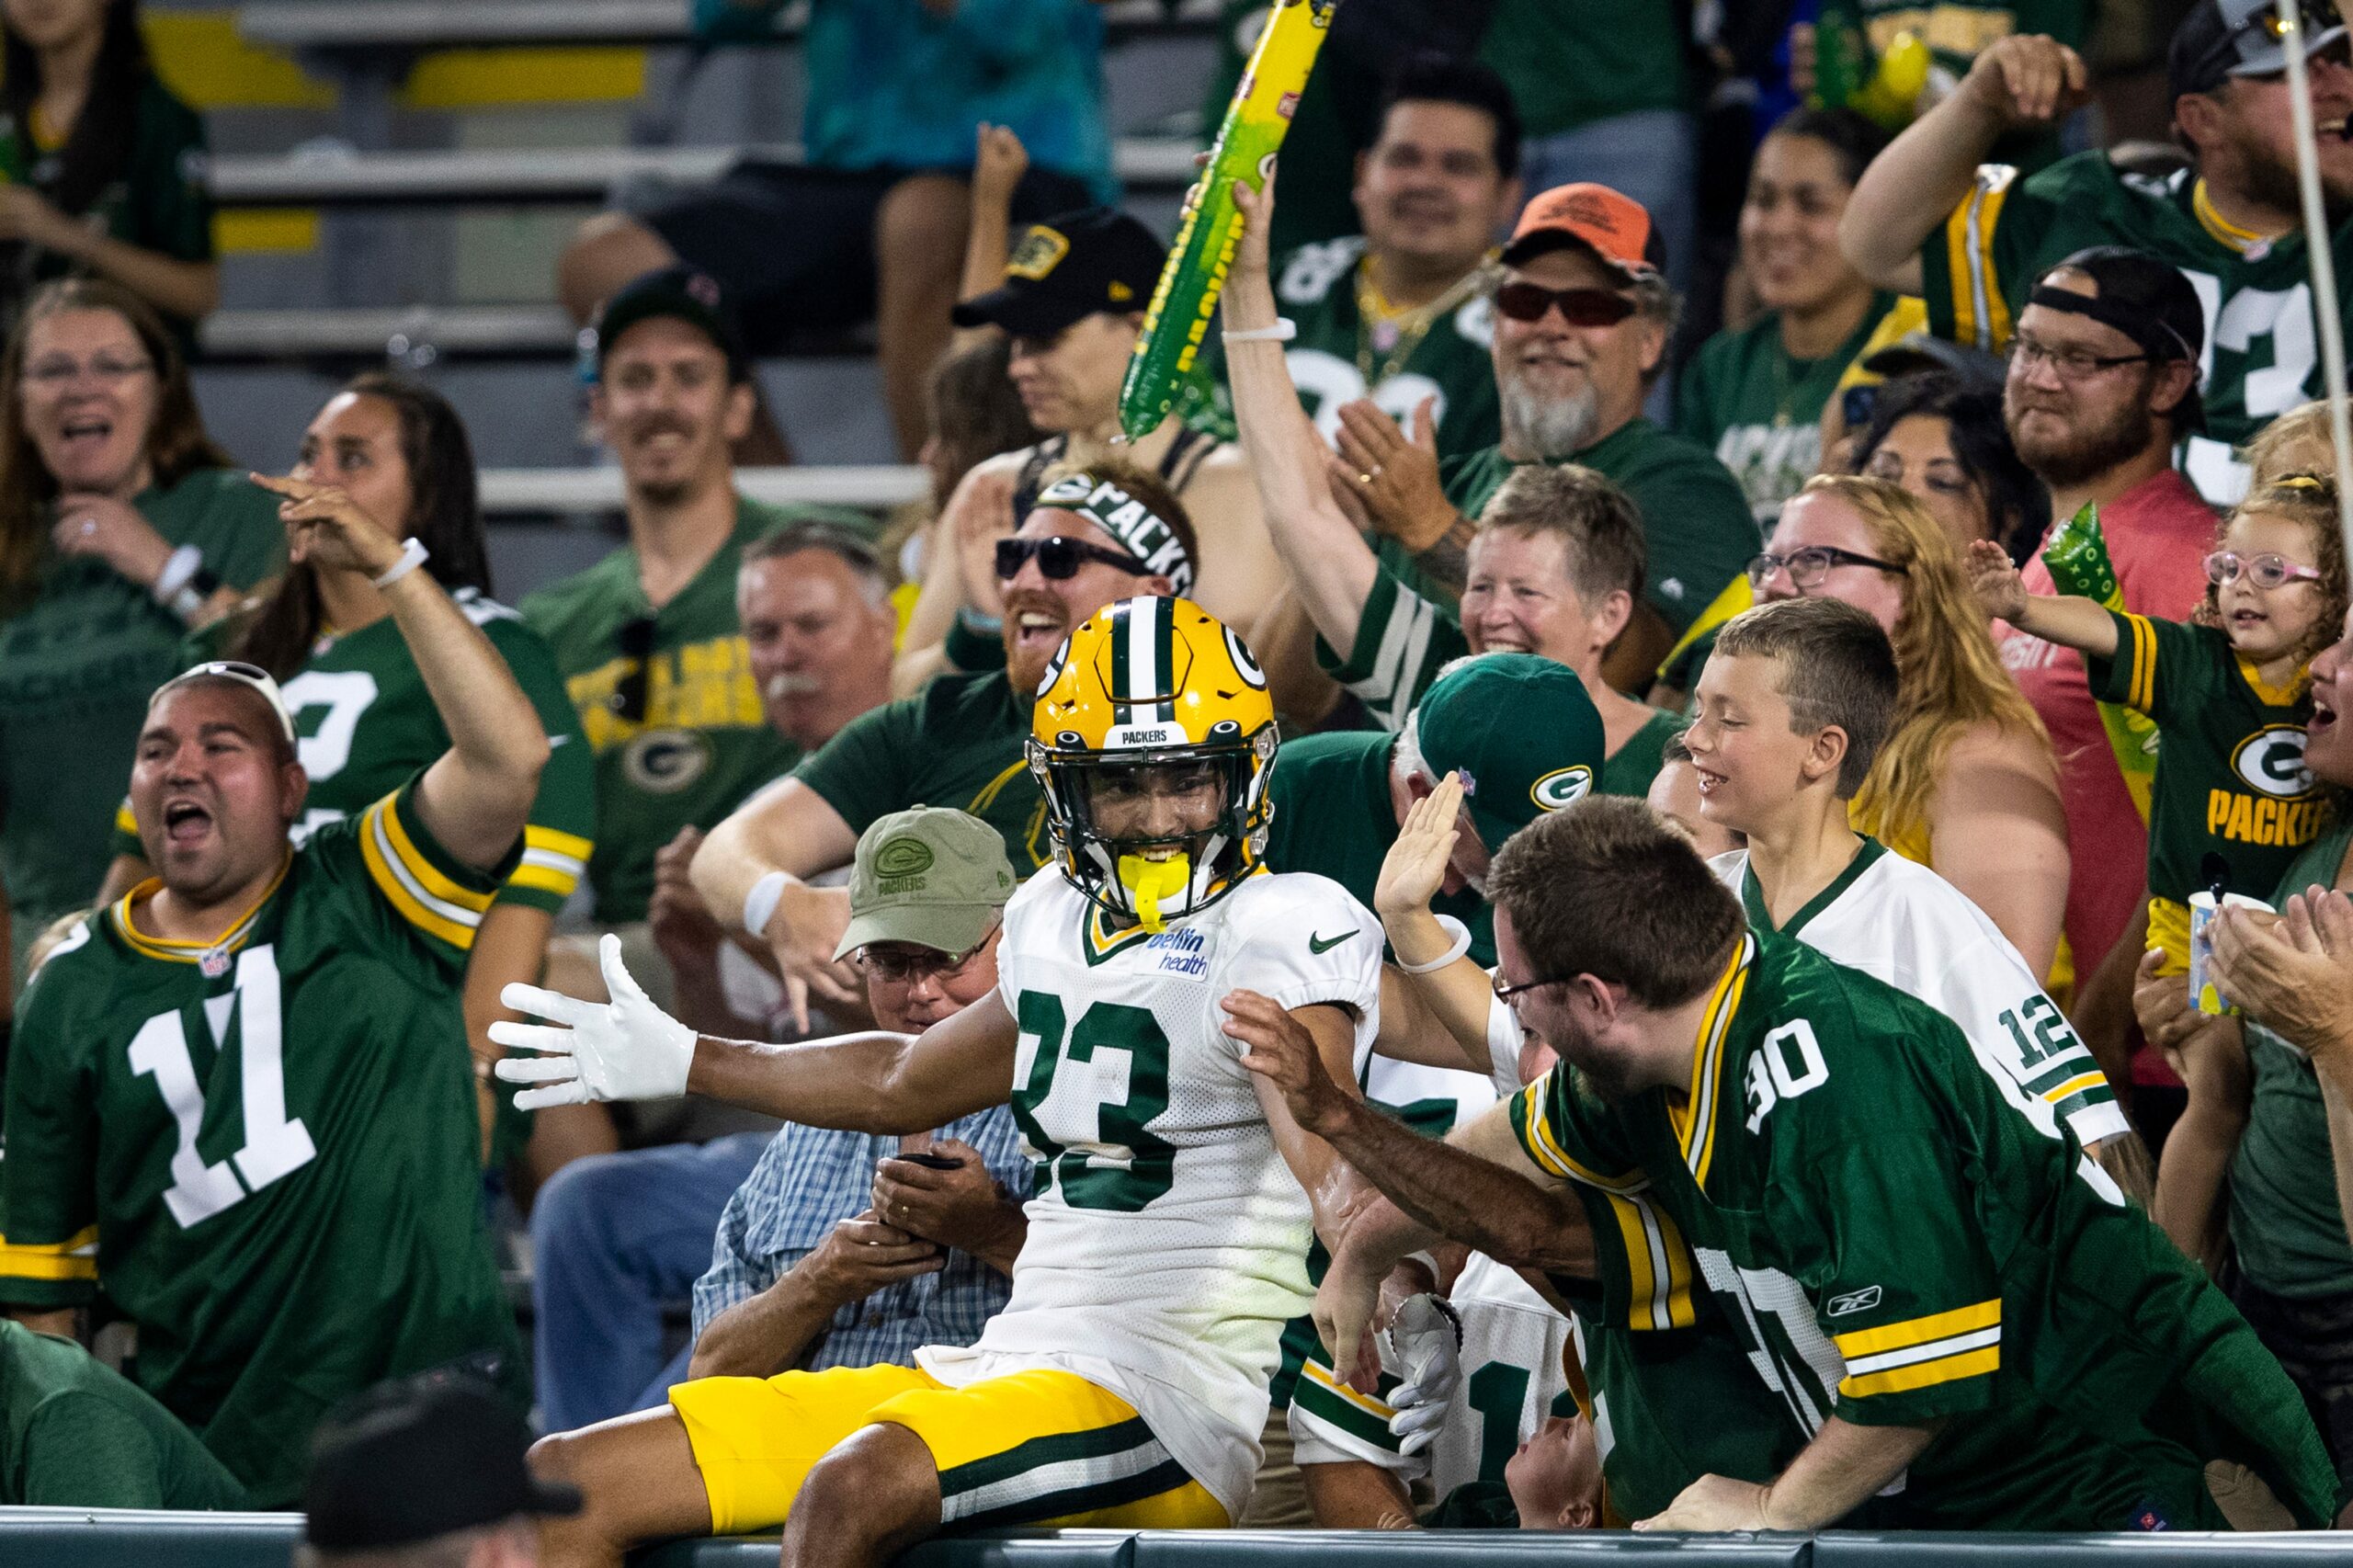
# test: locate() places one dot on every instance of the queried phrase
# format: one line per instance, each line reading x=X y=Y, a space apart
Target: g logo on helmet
x=1244 y=664
x=1054 y=667
x=2272 y=760
x=1561 y=786
x=663 y=762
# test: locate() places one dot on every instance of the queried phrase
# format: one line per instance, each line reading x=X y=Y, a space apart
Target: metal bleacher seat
x=321 y=25
x=575 y=492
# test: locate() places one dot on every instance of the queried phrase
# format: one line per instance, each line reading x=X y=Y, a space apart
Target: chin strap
x=1149 y=881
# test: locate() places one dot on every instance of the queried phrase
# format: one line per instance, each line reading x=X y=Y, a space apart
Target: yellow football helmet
x=1154 y=682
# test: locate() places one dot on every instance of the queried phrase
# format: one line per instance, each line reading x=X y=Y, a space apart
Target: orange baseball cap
x=1612 y=225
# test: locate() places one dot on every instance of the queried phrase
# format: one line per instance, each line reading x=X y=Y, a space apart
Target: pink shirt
x=2158 y=535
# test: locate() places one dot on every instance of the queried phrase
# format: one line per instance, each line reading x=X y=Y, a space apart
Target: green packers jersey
x=1894 y=1235
x=959 y=742
x=1438 y=352
x=365 y=723
x=77 y=663
x=678 y=732
x=2231 y=774
x=1333 y=815
x=2263 y=357
x=1744 y=398
x=273 y=1137
x=1698 y=532
x=75 y=1433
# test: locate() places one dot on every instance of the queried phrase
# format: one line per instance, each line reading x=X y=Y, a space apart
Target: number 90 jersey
x=1167 y=1239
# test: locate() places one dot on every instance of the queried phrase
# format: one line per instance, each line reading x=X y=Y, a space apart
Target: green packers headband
x=1145 y=533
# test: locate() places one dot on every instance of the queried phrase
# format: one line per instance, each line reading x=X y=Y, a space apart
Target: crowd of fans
x=1984 y=513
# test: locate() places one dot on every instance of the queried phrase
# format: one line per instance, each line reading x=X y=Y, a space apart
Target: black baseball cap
x=422 y=1458
x=1067 y=268
x=683 y=292
x=2221 y=39
x=2145 y=298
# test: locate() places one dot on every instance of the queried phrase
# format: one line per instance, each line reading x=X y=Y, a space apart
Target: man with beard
x=2102 y=386
x=1927 y=219
x=1096 y=535
x=647 y=639
x=1582 y=319
x=1402 y=316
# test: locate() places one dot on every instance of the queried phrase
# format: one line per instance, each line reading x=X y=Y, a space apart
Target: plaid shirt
x=811 y=1177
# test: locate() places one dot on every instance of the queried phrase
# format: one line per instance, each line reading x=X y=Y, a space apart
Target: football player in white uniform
x=1790 y=712
x=1125 y=1382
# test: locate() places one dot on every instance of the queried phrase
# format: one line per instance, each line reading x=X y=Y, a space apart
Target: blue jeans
x=616 y=1239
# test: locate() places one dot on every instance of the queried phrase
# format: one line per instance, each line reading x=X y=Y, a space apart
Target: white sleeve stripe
x=549 y=860
x=457 y=913
x=1934 y=1350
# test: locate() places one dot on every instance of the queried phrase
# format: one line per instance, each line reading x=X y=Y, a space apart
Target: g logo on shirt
x=663 y=762
x=2272 y=760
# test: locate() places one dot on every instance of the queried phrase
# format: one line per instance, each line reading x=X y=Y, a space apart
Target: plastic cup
x=2203 y=993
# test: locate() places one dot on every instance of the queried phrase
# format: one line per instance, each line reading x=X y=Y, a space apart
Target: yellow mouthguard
x=1149 y=881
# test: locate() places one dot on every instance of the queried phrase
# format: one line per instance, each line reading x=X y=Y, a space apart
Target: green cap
x=1522 y=729
x=931 y=876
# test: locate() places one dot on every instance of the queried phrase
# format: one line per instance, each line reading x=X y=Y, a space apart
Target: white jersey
x=1512 y=1374
x=1901 y=923
x=1331 y=1423
x=1168 y=1240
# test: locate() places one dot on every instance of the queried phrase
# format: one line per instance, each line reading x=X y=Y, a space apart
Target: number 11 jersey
x=274 y=1139
x=1168 y=1238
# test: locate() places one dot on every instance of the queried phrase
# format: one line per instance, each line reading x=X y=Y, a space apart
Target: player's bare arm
x=871 y=1081
x=475 y=799
x=1835 y=1473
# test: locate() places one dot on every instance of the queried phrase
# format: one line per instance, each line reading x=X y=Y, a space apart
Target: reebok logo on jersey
x=1853 y=1302
x=1325 y=943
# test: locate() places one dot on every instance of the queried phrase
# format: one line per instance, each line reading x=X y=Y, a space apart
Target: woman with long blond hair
x=1966 y=784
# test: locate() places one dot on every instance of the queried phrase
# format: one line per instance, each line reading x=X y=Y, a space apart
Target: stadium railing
x=76 y=1537
x=568 y=492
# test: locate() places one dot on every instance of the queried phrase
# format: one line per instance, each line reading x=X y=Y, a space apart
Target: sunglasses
x=2319 y=16
x=635 y=639
x=909 y=967
x=1579 y=307
x=1059 y=558
x=1809 y=566
x=2227 y=566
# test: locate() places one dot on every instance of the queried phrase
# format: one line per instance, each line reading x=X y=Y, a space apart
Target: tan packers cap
x=931 y=876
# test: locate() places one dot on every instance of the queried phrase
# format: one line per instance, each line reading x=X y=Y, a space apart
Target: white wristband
x=412 y=555
x=1461 y=946
x=178 y=567
x=759 y=905
x=1283 y=331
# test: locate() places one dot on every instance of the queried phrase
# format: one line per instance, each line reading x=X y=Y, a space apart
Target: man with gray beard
x=1582 y=319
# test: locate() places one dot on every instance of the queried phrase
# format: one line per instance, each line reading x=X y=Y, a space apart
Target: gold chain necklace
x=1394 y=333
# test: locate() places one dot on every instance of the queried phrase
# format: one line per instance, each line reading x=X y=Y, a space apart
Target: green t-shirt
x=77 y=662
x=76 y=1433
x=1698 y=532
x=2286 y=1226
x=1337 y=359
x=162 y=200
x=2230 y=776
x=1569 y=63
x=2264 y=359
x=1892 y=1242
x=1629 y=769
x=275 y=1140
x=1319 y=151
x=1334 y=816
x=365 y=722
x=959 y=742
x=1744 y=398
x=703 y=743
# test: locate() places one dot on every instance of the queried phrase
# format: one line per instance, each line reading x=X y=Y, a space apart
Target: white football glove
x=1423 y=1346
x=627 y=1048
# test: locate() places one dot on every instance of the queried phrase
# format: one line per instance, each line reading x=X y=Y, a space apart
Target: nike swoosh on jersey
x=1325 y=943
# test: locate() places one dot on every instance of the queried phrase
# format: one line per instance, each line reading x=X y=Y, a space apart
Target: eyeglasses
x=635 y=639
x=52 y=373
x=2226 y=567
x=1061 y=557
x=1807 y=567
x=1579 y=307
x=2072 y=364
x=910 y=966
x=1503 y=993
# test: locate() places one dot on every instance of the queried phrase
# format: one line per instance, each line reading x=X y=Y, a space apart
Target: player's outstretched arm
x=1479 y=1187
x=628 y=1049
x=475 y=798
x=1845 y=1465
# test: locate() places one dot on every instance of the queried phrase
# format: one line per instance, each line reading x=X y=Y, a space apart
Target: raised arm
x=1459 y=997
x=1330 y=566
x=475 y=798
x=2064 y=618
x=1906 y=192
x=628 y=1049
